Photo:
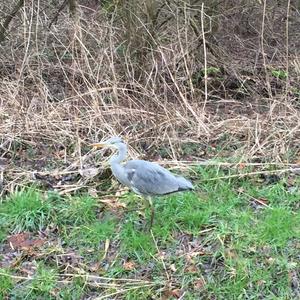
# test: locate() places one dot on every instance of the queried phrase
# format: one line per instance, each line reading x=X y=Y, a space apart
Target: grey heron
x=145 y=178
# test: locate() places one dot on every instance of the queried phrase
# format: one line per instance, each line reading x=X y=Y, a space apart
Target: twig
x=256 y=200
x=107 y=278
x=205 y=56
x=123 y=291
x=247 y=174
x=262 y=42
x=54 y=19
x=287 y=48
x=126 y=281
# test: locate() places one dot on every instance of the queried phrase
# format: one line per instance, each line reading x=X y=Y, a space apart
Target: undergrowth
x=212 y=82
x=231 y=238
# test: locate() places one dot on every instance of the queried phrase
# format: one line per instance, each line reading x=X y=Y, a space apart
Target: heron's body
x=150 y=179
x=145 y=178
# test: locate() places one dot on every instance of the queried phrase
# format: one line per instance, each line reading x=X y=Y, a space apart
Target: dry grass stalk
x=99 y=76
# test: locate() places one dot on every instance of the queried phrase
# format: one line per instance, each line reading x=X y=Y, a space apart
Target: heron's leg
x=152 y=211
x=143 y=207
x=147 y=200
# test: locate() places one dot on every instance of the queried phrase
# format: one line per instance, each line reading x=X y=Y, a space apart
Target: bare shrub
x=138 y=69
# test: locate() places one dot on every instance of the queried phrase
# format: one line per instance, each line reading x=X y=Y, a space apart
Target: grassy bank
x=233 y=238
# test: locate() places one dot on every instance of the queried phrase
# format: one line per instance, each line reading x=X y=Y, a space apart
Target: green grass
x=77 y=210
x=6 y=283
x=91 y=234
x=218 y=236
x=278 y=226
x=136 y=244
x=41 y=286
x=43 y=283
x=25 y=210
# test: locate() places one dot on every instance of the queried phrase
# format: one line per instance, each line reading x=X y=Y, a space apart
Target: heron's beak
x=100 y=145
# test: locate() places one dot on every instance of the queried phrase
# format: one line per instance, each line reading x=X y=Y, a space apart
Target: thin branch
x=54 y=19
x=262 y=42
x=205 y=55
x=287 y=48
x=248 y=174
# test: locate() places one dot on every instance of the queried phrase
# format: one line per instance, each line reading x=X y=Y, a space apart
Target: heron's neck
x=115 y=163
x=120 y=156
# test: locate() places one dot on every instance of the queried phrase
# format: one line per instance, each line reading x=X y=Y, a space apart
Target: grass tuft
x=135 y=243
x=44 y=281
x=77 y=210
x=26 y=210
x=41 y=286
x=91 y=234
x=6 y=283
x=278 y=227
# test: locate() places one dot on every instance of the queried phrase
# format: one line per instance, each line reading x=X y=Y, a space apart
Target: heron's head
x=112 y=142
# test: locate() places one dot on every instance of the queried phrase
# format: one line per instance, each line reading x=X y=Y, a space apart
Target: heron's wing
x=151 y=179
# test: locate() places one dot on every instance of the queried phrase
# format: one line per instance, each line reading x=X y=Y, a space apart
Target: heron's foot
x=147 y=203
x=147 y=225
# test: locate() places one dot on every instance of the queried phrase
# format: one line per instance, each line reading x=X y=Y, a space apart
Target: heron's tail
x=184 y=184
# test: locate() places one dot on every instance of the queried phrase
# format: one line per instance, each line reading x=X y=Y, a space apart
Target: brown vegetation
x=163 y=74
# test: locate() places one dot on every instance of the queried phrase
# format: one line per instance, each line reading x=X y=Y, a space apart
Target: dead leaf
x=241 y=190
x=263 y=201
x=230 y=253
x=260 y=282
x=241 y=166
x=252 y=249
x=129 y=265
x=189 y=259
x=122 y=192
x=24 y=241
x=199 y=284
x=173 y=268
x=270 y=260
x=161 y=255
x=89 y=173
x=60 y=154
x=113 y=203
x=15 y=241
x=176 y=293
x=94 y=267
x=191 y=269
x=92 y=192
x=197 y=253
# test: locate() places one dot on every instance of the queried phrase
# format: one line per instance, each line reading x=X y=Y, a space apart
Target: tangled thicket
x=176 y=73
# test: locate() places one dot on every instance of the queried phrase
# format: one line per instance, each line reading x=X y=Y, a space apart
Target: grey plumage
x=143 y=177
x=148 y=178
